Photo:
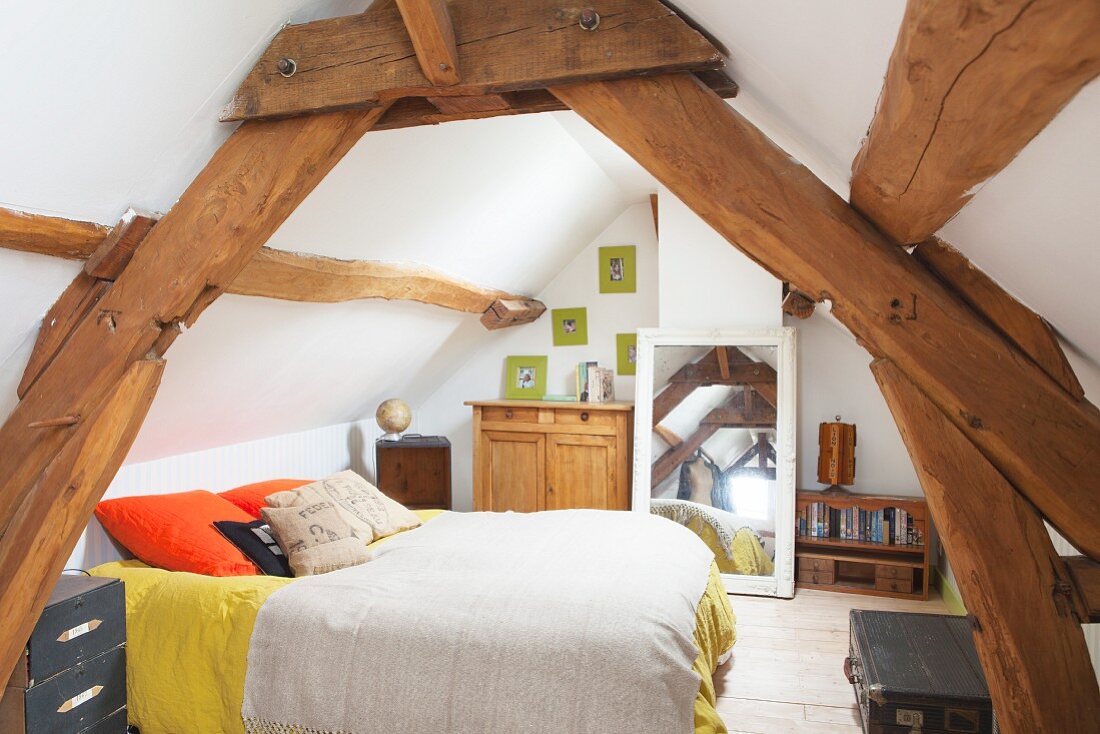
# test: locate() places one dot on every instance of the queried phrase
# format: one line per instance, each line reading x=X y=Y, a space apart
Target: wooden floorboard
x=785 y=676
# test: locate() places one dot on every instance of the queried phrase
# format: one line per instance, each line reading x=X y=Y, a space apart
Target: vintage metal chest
x=917 y=673
x=71 y=678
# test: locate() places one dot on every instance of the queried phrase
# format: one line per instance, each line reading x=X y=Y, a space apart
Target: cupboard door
x=513 y=465
x=580 y=472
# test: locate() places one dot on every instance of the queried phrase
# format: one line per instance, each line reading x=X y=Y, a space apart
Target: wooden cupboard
x=533 y=455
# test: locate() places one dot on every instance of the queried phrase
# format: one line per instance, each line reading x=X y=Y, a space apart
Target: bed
x=265 y=654
x=737 y=546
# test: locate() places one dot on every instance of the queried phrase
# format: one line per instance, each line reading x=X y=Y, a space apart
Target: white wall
x=307 y=455
x=706 y=283
x=482 y=377
x=834 y=378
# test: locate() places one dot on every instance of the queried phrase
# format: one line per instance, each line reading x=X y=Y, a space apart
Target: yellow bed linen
x=188 y=638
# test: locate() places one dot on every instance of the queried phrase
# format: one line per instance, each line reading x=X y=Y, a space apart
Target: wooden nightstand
x=416 y=471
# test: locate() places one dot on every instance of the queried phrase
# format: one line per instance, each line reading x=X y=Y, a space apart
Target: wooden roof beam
x=1027 y=626
x=243 y=194
x=367 y=59
x=429 y=25
x=417 y=111
x=46 y=235
x=970 y=82
x=271 y=273
x=1023 y=327
x=779 y=214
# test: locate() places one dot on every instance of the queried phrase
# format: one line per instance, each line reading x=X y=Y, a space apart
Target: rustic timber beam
x=297 y=276
x=668 y=435
x=271 y=273
x=970 y=82
x=245 y=192
x=46 y=235
x=1026 y=626
x=737 y=374
x=104 y=264
x=505 y=312
x=116 y=249
x=417 y=111
x=54 y=514
x=429 y=25
x=1022 y=326
x=781 y=216
x=1085 y=574
x=366 y=59
x=71 y=308
x=734 y=413
x=798 y=305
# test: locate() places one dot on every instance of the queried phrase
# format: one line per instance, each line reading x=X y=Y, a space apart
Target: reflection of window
x=750 y=496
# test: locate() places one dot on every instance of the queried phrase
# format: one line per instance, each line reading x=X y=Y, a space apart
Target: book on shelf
x=888 y=526
x=595 y=384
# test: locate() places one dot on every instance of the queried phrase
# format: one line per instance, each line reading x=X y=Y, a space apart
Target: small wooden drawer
x=810 y=576
x=902 y=586
x=511 y=415
x=585 y=417
x=886 y=571
x=809 y=563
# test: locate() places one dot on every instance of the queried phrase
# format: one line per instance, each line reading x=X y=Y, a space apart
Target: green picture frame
x=619 y=269
x=626 y=350
x=570 y=326
x=525 y=377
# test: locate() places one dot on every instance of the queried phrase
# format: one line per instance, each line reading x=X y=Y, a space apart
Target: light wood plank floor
x=785 y=676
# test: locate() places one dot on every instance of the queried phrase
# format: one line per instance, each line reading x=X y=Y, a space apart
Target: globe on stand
x=393 y=417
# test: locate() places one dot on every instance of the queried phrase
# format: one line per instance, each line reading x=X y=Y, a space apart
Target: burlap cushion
x=314 y=538
x=369 y=512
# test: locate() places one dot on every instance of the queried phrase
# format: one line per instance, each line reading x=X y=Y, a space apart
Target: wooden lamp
x=836 y=458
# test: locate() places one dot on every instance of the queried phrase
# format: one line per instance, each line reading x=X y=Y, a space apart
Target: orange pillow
x=176 y=532
x=250 y=497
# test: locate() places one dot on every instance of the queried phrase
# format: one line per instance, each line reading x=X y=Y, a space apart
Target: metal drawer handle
x=584 y=416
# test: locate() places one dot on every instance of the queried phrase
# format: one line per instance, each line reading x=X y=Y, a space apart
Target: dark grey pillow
x=255 y=540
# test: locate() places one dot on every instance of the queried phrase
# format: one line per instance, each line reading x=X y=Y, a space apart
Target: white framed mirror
x=714 y=446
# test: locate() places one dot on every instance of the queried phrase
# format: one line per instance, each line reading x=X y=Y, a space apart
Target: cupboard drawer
x=886 y=571
x=71 y=701
x=584 y=417
x=810 y=563
x=810 y=576
x=507 y=414
x=904 y=586
x=84 y=617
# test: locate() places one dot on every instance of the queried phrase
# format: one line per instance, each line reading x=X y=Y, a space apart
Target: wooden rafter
x=301 y=277
x=970 y=82
x=668 y=435
x=46 y=235
x=48 y=523
x=429 y=25
x=780 y=215
x=1025 y=328
x=363 y=60
x=114 y=252
x=736 y=412
x=271 y=273
x=1085 y=574
x=245 y=192
x=1027 y=625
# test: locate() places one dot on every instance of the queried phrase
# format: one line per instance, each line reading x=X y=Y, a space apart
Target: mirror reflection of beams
x=714 y=455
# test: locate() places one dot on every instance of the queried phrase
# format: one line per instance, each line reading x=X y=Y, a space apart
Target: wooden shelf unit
x=860 y=567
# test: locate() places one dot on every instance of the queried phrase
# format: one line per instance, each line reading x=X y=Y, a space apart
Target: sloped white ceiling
x=111 y=104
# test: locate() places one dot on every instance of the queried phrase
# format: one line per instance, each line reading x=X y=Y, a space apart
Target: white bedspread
x=576 y=621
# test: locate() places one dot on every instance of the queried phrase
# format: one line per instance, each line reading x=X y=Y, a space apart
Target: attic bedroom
x=483 y=367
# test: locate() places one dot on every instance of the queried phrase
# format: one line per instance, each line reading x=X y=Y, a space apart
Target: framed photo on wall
x=570 y=326
x=619 y=269
x=626 y=349
x=525 y=377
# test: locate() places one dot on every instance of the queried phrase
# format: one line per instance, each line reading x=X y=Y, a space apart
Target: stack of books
x=889 y=526
x=595 y=384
